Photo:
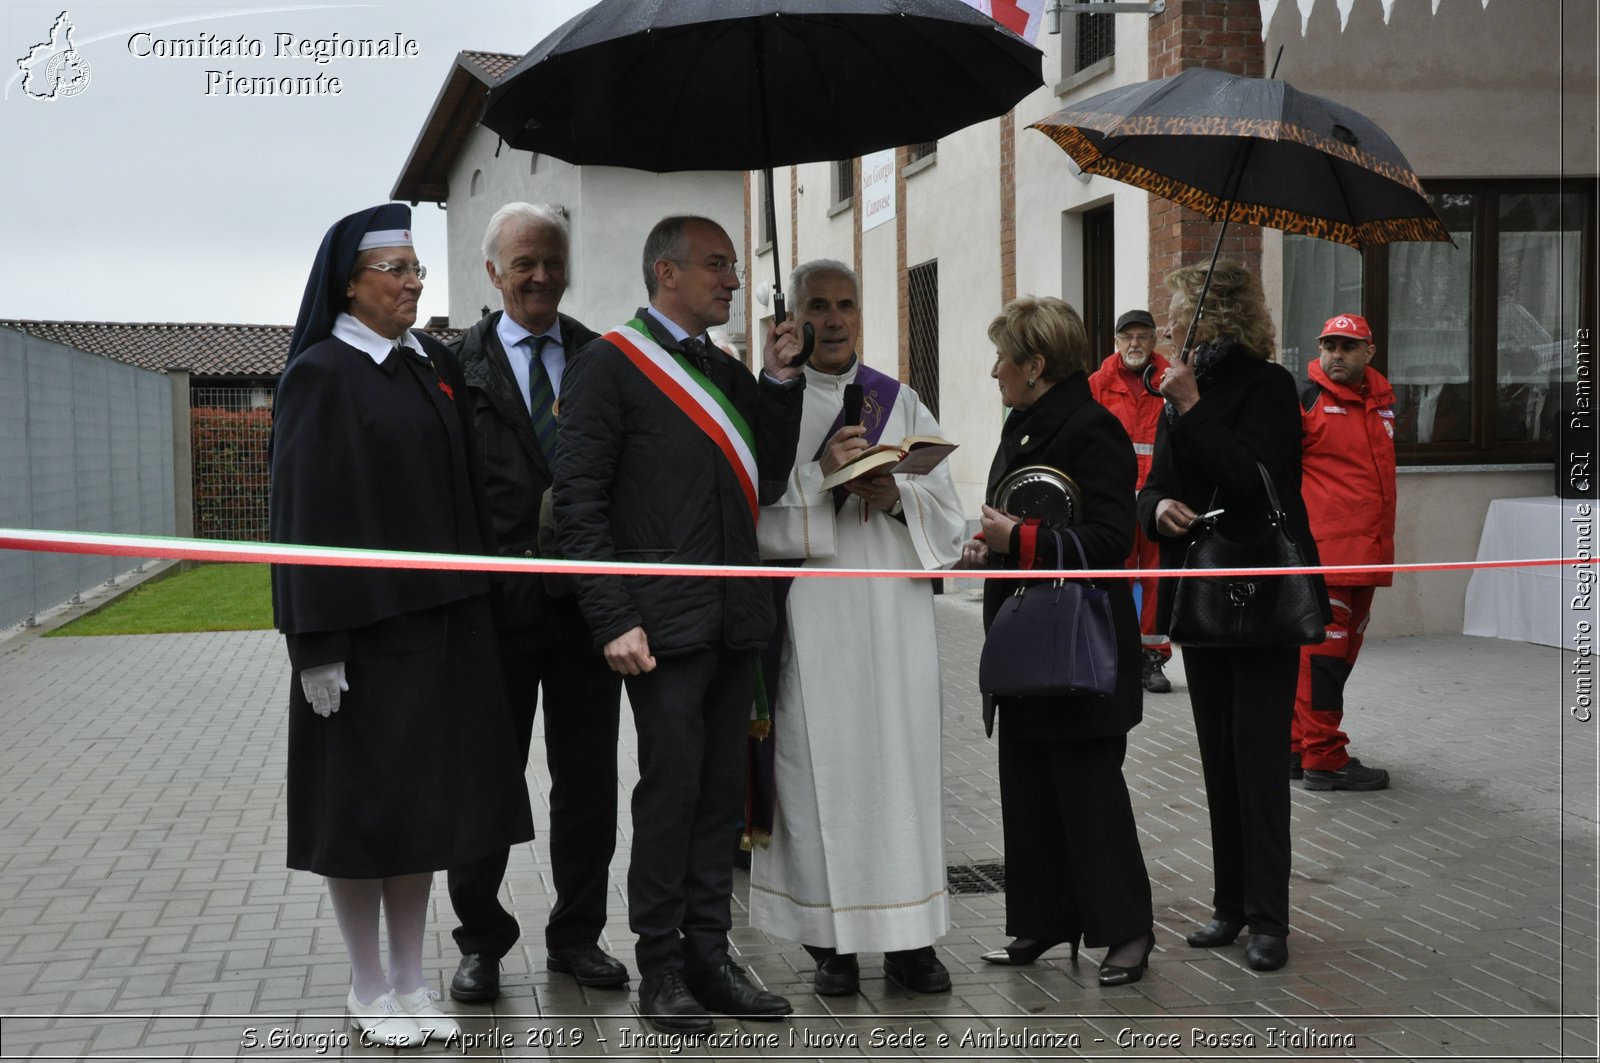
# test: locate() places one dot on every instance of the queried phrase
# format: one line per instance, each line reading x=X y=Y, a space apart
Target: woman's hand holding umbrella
x=1178 y=385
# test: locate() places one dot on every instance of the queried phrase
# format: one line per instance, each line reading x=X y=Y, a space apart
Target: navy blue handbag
x=1051 y=639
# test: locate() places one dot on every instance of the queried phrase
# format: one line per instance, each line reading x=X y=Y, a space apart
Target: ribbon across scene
x=168 y=547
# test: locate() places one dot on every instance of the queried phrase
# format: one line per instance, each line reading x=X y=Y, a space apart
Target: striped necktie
x=541 y=397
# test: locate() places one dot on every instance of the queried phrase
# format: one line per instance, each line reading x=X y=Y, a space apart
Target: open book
x=912 y=456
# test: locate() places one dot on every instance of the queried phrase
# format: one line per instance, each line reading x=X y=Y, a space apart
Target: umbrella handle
x=1148 y=379
x=808 y=335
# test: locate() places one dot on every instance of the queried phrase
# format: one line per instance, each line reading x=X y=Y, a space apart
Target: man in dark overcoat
x=669 y=446
x=513 y=362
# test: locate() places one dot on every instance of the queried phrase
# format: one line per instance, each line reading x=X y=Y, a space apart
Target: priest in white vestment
x=856 y=857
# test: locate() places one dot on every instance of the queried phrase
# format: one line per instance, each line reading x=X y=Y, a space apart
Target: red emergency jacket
x=1348 y=479
x=1122 y=392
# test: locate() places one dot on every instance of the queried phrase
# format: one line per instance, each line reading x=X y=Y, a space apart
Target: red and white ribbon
x=158 y=546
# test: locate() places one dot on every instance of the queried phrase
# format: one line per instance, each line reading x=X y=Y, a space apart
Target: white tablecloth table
x=1528 y=604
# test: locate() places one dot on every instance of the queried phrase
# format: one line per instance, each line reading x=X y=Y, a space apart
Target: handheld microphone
x=852 y=404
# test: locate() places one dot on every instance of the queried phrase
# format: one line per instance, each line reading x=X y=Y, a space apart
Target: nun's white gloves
x=322 y=685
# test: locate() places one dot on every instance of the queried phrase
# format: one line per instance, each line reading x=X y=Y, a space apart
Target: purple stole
x=879 y=392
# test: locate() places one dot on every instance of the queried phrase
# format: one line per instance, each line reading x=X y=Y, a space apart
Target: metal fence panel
x=924 y=315
x=232 y=482
x=85 y=445
x=157 y=486
x=91 y=436
x=16 y=501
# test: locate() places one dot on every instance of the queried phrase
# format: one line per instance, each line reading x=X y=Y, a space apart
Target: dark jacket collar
x=484 y=362
x=1030 y=429
x=1220 y=358
x=658 y=331
x=483 y=358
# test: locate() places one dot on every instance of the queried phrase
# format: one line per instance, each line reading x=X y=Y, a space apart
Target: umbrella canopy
x=668 y=85
x=1252 y=150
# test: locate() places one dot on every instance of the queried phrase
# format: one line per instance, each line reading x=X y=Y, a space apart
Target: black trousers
x=1243 y=704
x=581 y=699
x=1073 y=862
x=692 y=714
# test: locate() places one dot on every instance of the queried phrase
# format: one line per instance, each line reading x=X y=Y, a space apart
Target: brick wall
x=1223 y=35
x=794 y=221
x=855 y=221
x=902 y=292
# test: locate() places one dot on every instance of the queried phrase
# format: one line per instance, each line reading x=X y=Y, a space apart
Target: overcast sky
x=142 y=198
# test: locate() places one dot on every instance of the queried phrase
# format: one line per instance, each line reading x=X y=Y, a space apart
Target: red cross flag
x=1019 y=16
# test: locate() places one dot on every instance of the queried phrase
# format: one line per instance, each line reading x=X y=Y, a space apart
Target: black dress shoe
x=666 y=1003
x=1023 y=951
x=1353 y=776
x=1215 y=934
x=727 y=991
x=1266 y=952
x=838 y=975
x=588 y=965
x=1112 y=974
x=918 y=970
x=477 y=979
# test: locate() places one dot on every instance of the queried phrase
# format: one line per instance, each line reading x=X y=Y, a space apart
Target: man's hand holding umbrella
x=783 y=356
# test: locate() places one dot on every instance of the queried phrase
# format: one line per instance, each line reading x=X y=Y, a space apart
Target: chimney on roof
x=437 y=322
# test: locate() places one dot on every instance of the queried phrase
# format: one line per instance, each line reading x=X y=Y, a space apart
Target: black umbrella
x=1252 y=150
x=668 y=85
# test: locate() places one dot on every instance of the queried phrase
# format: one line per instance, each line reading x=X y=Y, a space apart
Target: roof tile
x=205 y=349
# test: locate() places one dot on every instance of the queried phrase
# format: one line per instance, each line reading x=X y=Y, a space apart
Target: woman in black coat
x=1073 y=864
x=1229 y=407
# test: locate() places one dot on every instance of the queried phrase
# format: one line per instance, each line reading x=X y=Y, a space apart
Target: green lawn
x=207 y=598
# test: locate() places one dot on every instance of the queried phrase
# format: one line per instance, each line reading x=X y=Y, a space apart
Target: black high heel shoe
x=1111 y=974
x=1023 y=951
x=1215 y=934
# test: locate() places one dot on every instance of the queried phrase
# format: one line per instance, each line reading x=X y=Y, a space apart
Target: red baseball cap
x=1352 y=325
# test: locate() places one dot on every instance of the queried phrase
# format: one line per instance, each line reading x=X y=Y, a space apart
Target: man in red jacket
x=1349 y=485
x=1117 y=386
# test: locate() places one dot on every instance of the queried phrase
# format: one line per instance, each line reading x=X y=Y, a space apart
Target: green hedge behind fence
x=231 y=484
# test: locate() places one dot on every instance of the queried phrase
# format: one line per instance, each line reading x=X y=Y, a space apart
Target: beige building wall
x=952 y=210
x=1471 y=91
x=880 y=297
x=1440 y=513
x=610 y=211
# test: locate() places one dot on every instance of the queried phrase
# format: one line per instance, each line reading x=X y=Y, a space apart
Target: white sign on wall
x=877 y=188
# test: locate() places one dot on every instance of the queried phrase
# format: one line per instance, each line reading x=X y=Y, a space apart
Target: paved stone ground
x=145 y=912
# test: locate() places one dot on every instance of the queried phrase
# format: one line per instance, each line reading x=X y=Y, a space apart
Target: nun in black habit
x=402 y=753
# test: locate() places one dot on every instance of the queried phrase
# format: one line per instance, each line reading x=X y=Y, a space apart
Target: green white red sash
x=699 y=399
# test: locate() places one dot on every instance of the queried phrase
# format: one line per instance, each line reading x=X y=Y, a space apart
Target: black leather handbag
x=1226 y=611
x=1051 y=639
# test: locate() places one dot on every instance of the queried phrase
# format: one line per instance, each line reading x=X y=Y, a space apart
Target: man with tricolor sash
x=850 y=794
x=668 y=448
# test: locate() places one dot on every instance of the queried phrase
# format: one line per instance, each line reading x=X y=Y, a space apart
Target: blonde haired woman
x=1228 y=408
x=1074 y=869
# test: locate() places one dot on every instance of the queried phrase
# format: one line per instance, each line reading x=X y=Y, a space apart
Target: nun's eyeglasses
x=399 y=269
